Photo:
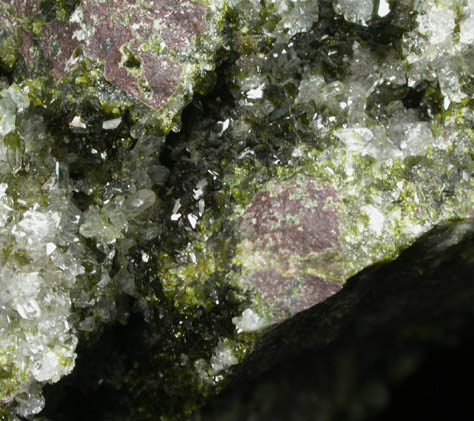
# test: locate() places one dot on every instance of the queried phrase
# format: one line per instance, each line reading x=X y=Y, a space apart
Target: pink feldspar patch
x=292 y=224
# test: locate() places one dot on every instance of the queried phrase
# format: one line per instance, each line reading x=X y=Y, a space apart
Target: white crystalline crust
x=296 y=15
x=444 y=32
x=434 y=51
x=440 y=47
x=47 y=295
x=223 y=357
x=356 y=11
x=37 y=266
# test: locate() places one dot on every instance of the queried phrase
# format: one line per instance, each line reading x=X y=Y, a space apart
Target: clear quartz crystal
x=30 y=403
x=223 y=357
x=28 y=309
x=296 y=15
x=249 y=321
x=48 y=367
x=466 y=35
x=7 y=115
x=356 y=11
x=440 y=43
x=36 y=275
x=42 y=237
x=138 y=202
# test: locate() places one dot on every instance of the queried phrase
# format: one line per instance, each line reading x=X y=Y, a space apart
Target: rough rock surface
x=156 y=52
x=333 y=136
x=402 y=340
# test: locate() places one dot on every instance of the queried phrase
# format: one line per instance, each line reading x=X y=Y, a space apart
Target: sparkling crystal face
x=357 y=11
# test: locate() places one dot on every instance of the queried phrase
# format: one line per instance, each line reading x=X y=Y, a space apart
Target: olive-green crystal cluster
x=339 y=150
x=332 y=135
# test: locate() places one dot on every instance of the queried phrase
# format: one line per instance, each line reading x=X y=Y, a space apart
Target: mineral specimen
x=72 y=190
x=157 y=52
x=332 y=136
x=362 y=373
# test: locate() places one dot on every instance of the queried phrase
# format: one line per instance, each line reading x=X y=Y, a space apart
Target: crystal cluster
x=156 y=53
x=40 y=259
x=338 y=133
x=342 y=151
x=56 y=279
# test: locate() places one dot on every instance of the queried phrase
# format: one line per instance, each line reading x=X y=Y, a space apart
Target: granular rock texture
x=155 y=52
x=284 y=227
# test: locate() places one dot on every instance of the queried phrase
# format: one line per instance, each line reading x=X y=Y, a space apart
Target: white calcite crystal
x=111 y=124
x=223 y=357
x=356 y=11
x=249 y=321
x=52 y=287
x=435 y=49
x=37 y=342
x=296 y=15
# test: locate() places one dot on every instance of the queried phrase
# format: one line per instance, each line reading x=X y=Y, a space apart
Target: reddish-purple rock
x=147 y=49
x=286 y=230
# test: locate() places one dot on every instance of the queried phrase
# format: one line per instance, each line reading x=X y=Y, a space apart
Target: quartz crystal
x=36 y=341
x=356 y=11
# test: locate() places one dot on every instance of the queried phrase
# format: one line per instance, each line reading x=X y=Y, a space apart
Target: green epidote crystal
x=333 y=160
x=334 y=135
